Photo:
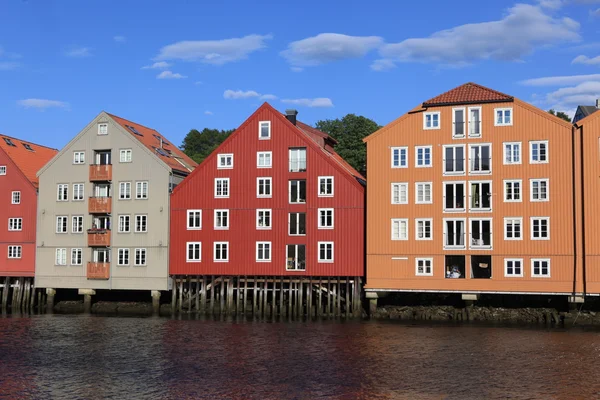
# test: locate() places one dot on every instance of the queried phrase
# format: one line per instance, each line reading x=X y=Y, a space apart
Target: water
x=88 y=357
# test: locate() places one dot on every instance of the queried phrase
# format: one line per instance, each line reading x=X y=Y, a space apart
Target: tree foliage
x=560 y=114
x=199 y=144
x=349 y=132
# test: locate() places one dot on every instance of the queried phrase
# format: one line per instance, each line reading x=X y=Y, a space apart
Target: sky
x=180 y=65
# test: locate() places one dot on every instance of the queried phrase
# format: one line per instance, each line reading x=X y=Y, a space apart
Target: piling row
x=19 y=295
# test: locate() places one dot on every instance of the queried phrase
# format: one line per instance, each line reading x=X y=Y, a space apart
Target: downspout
x=583 y=214
x=574 y=201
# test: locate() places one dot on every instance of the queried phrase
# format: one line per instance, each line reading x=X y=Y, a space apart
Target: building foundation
x=87 y=299
x=155 y=302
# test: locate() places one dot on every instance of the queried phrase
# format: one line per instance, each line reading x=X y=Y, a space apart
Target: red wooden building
x=274 y=213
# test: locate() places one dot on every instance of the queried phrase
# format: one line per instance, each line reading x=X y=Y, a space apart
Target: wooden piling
x=230 y=295
x=245 y=294
x=197 y=294
x=309 y=312
x=254 y=297
x=300 y=298
x=265 y=296
x=319 y=290
x=40 y=305
x=203 y=295
x=238 y=296
x=290 y=297
x=212 y=295
x=174 y=295
x=32 y=297
x=222 y=296
x=274 y=299
x=339 y=297
x=281 y=308
x=180 y=305
x=347 y=298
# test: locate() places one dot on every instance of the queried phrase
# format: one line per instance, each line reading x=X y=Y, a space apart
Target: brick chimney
x=291 y=115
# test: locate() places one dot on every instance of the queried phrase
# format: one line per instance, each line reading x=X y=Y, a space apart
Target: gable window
x=194 y=252
x=263 y=219
x=431 y=120
x=264 y=130
x=512 y=191
x=298 y=191
x=454 y=233
x=297 y=160
x=423 y=156
x=454 y=196
x=76 y=256
x=263 y=187
x=481 y=233
x=458 y=122
x=264 y=159
x=296 y=257
x=124 y=223
x=61 y=257
x=481 y=196
x=125 y=155
x=102 y=129
x=503 y=117
x=194 y=219
x=15 y=224
x=400 y=193
x=78 y=157
x=540 y=267
x=538 y=152
x=140 y=257
x=326 y=186
x=297 y=224
x=78 y=191
x=399 y=229
x=540 y=228
x=123 y=257
x=141 y=223
x=454 y=160
x=141 y=190
x=424 y=267
x=424 y=231
x=512 y=153
x=15 y=251
x=423 y=192
x=124 y=190
x=474 y=121
x=325 y=218
x=221 y=219
x=63 y=192
x=513 y=267
x=221 y=252
x=480 y=161
x=61 y=224
x=221 y=187
x=2 y=169
x=77 y=224
x=224 y=161
x=513 y=228
x=539 y=189
x=325 y=252
x=399 y=157
x=16 y=198
x=263 y=251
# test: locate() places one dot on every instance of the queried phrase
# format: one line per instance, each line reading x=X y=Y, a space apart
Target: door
x=101 y=256
x=103 y=157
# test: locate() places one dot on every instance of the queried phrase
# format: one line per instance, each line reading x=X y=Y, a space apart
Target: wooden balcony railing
x=97 y=270
x=98 y=238
x=100 y=205
x=100 y=173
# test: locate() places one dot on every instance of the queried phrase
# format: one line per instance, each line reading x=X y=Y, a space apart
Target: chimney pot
x=597 y=103
x=291 y=115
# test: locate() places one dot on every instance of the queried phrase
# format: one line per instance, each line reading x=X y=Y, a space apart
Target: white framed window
x=263 y=219
x=481 y=233
x=62 y=192
x=512 y=153
x=141 y=223
x=325 y=218
x=124 y=223
x=2 y=169
x=76 y=256
x=474 y=122
x=480 y=194
x=221 y=219
x=400 y=193
x=263 y=187
x=264 y=159
x=296 y=257
x=458 y=122
x=15 y=251
x=77 y=224
x=123 y=257
x=512 y=190
x=140 y=257
x=454 y=233
x=540 y=267
x=125 y=155
x=264 y=130
x=79 y=157
x=423 y=193
x=424 y=267
x=62 y=223
x=124 y=190
x=513 y=228
x=61 y=257
x=454 y=160
x=513 y=267
x=480 y=159
x=221 y=252
x=102 y=129
x=325 y=186
x=325 y=252
x=431 y=120
x=194 y=220
x=15 y=224
x=540 y=228
x=399 y=229
x=297 y=224
x=297 y=159
x=141 y=190
x=298 y=191
x=538 y=189
x=16 y=197
x=503 y=117
x=78 y=191
x=454 y=196
x=224 y=161
x=422 y=156
x=194 y=252
x=538 y=152
x=263 y=251
x=221 y=187
x=399 y=157
x=424 y=229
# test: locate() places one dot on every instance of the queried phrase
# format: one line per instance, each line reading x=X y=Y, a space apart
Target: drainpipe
x=583 y=214
x=574 y=201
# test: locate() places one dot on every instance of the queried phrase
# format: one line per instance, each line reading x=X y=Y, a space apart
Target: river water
x=90 y=357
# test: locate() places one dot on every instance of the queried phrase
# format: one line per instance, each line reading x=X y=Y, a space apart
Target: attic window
x=161 y=152
x=132 y=129
x=102 y=129
x=27 y=146
x=9 y=142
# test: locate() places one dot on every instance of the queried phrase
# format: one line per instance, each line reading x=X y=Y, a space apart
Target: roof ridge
x=133 y=122
x=490 y=89
x=27 y=141
x=468 y=93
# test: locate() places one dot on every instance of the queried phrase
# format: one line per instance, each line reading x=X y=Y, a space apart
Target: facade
x=103 y=219
x=472 y=192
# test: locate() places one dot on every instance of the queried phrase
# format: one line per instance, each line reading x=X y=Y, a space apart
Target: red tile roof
x=469 y=93
x=151 y=139
x=28 y=161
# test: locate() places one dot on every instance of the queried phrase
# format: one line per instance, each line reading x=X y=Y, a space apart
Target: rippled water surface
x=87 y=357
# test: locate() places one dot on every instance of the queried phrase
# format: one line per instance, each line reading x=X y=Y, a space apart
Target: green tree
x=349 y=132
x=560 y=114
x=199 y=144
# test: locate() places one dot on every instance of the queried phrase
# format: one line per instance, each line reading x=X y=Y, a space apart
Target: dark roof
x=27 y=156
x=587 y=110
x=469 y=93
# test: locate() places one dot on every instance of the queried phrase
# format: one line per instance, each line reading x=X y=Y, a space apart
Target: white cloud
x=382 y=65
x=595 y=13
x=317 y=102
x=158 y=65
x=79 y=52
x=216 y=52
x=170 y=75
x=8 y=65
x=297 y=69
x=268 y=97
x=42 y=104
x=198 y=83
x=560 y=80
x=586 y=60
x=524 y=28
x=119 y=38
x=240 y=94
x=208 y=112
x=329 y=47
x=552 y=4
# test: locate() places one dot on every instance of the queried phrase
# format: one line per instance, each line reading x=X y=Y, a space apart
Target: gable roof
x=469 y=93
x=27 y=156
x=169 y=153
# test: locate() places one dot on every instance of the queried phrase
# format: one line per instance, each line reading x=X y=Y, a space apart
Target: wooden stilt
x=260 y=297
x=197 y=305
x=347 y=298
x=281 y=308
x=290 y=296
x=309 y=309
x=25 y=305
x=339 y=297
x=189 y=294
x=300 y=299
x=334 y=298
x=180 y=305
x=230 y=284
x=274 y=299
x=254 y=297
x=32 y=297
x=203 y=295
x=222 y=296
x=245 y=294
x=174 y=295
x=212 y=295
x=265 y=296
x=319 y=306
x=39 y=302
x=238 y=296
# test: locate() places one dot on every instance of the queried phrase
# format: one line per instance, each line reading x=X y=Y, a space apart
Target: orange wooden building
x=475 y=191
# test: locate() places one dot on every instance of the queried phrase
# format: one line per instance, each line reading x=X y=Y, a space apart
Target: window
x=61 y=224
x=140 y=257
x=481 y=159
x=102 y=129
x=63 y=192
x=326 y=186
x=76 y=257
x=474 y=121
x=512 y=153
x=325 y=218
x=221 y=252
x=78 y=157
x=424 y=231
x=2 y=169
x=194 y=252
x=224 y=161
x=503 y=117
x=15 y=224
x=297 y=160
x=124 y=190
x=15 y=251
x=78 y=191
x=538 y=152
x=263 y=187
x=481 y=233
x=297 y=223
x=141 y=190
x=540 y=267
x=141 y=223
x=123 y=257
x=77 y=224
x=422 y=156
x=423 y=193
x=481 y=196
x=539 y=189
x=399 y=157
x=399 y=193
x=124 y=224
x=399 y=229
x=512 y=191
x=194 y=219
x=298 y=191
x=454 y=160
x=458 y=122
x=263 y=251
x=454 y=233
x=125 y=155
x=540 y=228
x=431 y=120
x=296 y=257
x=424 y=267
x=513 y=267
x=325 y=252
x=454 y=196
x=513 y=228
x=264 y=130
x=16 y=197
x=221 y=219
x=263 y=219
x=264 y=159
x=221 y=187
x=61 y=257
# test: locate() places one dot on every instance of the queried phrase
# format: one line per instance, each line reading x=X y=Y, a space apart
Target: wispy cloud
x=208 y=112
x=158 y=65
x=595 y=13
x=240 y=94
x=119 y=39
x=560 y=80
x=297 y=69
x=42 y=104
x=586 y=60
x=268 y=97
x=198 y=83
x=79 y=52
x=170 y=75
x=317 y=102
x=8 y=65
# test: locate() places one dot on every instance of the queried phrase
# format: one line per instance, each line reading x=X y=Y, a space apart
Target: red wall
x=197 y=192
x=14 y=180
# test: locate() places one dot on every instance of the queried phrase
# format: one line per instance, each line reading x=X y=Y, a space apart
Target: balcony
x=100 y=205
x=98 y=238
x=96 y=270
x=100 y=173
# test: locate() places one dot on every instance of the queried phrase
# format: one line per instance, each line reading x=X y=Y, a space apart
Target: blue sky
x=179 y=65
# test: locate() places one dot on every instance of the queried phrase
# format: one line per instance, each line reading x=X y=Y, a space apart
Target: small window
x=424 y=229
x=263 y=251
x=422 y=156
x=61 y=224
x=539 y=189
x=458 y=122
x=513 y=267
x=431 y=120
x=481 y=196
x=78 y=191
x=140 y=257
x=141 y=223
x=124 y=223
x=141 y=190
x=326 y=186
x=298 y=191
x=400 y=193
x=77 y=224
x=78 y=157
x=297 y=224
x=264 y=159
x=480 y=159
x=454 y=196
x=194 y=219
x=399 y=157
x=124 y=190
x=481 y=233
x=263 y=187
x=454 y=160
x=325 y=218
x=16 y=197
x=63 y=192
x=15 y=251
x=512 y=191
x=424 y=267
x=61 y=257
x=325 y=252
x=2 y=169
x=194 y=252
x=540 y=228
x=474 y=122
x=264 y=130
x=503 y=117
x=297 y=159
x=123 y=257
x=399 y=229
x=221 y=251
x=512 y=153
x=76 y=256
x=102 y=129
x=125 y=155
x=513 y=228
x=9 y=142
x=423 y=193
x=454 y=233
x=221 y=219
x=224 y=161
x=540 y=267
x=15 y=224
x=296 y=257
x=221 y=187
x=263 y=219
x=538 y=152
